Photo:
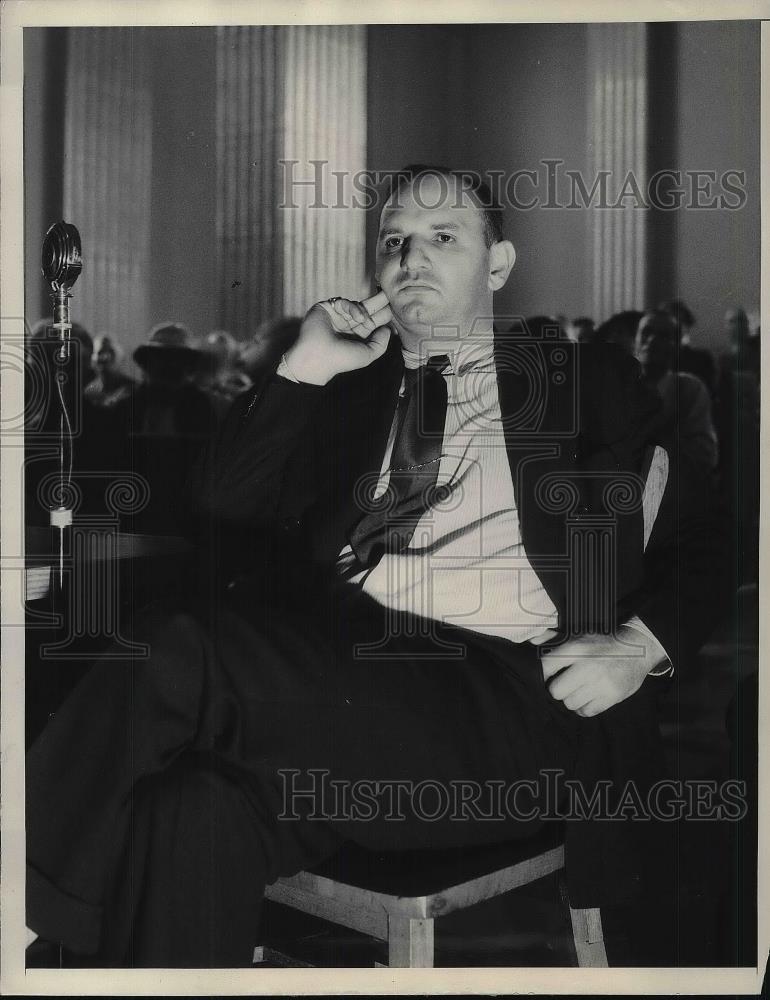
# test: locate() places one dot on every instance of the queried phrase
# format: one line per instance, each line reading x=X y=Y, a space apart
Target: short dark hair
x=619 y=327
x=471 y=181
x=680 y=312
x=662 y=321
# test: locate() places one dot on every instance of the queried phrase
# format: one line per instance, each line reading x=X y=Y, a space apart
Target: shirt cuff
x=285 y=372
x=665 y=669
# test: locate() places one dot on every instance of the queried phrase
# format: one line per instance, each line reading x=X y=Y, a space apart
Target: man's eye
x=445 y=238
x=392 y=242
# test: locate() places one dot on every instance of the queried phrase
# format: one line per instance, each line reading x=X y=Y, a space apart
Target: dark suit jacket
x=276 y=497
x=278 y=490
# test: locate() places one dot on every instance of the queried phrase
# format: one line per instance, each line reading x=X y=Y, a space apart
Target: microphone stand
x=62 y=264
x=61 y=516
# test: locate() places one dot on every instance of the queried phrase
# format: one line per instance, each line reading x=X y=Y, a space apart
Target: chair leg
x=589 y=938
x=410 y=943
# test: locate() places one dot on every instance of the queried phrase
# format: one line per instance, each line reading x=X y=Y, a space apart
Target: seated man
x=394 y=592
x=686 y=425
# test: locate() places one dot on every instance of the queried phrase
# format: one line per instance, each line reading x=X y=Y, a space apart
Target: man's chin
x=418 y=315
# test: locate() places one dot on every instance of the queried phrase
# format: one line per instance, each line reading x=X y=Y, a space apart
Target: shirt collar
x=463 y=358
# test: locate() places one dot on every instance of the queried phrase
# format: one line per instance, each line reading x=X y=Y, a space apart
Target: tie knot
x=438 y=362
x=433 y=366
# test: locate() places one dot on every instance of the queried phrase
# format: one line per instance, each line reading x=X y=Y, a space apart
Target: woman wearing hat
x=169 y=418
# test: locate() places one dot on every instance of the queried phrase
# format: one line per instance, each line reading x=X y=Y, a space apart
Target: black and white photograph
x=381 y=498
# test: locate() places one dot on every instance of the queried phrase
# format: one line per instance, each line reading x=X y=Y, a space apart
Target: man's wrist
x=660 y=664
x=294 y=367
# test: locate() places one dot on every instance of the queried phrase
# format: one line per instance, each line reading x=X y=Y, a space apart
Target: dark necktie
x=391 y=520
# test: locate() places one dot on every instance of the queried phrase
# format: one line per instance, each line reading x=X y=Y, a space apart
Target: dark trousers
x=164 y=794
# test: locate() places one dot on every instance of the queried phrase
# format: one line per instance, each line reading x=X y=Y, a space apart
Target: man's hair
x=662 y=321
x=470 y=181
x=619 y=327
x=680 y=312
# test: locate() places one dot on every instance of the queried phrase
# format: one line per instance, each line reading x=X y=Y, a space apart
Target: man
x=695 y=360
x=390 y=507
x=619 y=329
x=582 y=330
x=737 y=419
x=109 y=385
x=221 y=374
x=686 y=423
x=742 y=354
x=166 y=421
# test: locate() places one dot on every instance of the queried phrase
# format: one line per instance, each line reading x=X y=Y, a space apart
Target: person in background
x=581 y=330
x=620 y=329
x=93 y=432
x=696 y=360
x=743 y=349
x=221 y=375
x=272 y=339
x=546 y=327
x=168 y=419
x=168 y=403
x=686 y=420
x=738 y=429
x=109 y=384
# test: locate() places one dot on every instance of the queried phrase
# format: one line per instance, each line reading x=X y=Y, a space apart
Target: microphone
x=62 y=263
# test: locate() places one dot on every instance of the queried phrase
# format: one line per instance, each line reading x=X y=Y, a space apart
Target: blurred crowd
x=136 y=430
x=709 y=412
x=154 y=426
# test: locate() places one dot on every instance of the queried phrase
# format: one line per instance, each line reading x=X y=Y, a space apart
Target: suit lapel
x=356 y=423
x=543 y=447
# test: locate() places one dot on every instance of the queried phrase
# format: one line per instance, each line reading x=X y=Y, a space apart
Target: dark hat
x=172 y=342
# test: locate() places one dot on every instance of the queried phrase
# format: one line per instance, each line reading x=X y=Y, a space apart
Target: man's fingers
x=594 y=707
x=359 y=322
x=344 y=313
x=538 y=640
x=382 y=316
x=552 y=663
x=358 y=318
x=375 y=302
x=575 y=676
x=578 y=650
x=578 y=699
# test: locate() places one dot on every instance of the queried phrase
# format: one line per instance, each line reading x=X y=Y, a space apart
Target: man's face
x=655 y=344
x=737 y=325
x=432 y=258
x=104 y=359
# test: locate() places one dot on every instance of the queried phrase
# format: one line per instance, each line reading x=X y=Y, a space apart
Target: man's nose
x=413 y=256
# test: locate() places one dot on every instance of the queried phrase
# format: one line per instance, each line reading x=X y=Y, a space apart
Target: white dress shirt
x=465 y=564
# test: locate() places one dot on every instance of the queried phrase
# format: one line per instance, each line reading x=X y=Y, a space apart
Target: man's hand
x=591 y=673
x=340 y=336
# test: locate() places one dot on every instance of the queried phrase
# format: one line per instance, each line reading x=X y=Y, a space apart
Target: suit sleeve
x=684 y=586
x=240 y=478
x=245 y=493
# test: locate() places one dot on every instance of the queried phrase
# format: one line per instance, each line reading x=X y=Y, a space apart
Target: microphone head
x=62 y=260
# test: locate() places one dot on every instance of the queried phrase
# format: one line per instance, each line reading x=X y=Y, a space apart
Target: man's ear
x=502 y=257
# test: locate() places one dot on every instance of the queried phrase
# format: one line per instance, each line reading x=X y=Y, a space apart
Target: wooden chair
x=396 y=897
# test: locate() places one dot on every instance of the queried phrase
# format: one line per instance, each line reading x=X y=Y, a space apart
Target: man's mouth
x=411 y=285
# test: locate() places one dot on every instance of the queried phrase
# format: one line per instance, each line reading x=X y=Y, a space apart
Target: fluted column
x=325 y=133
x=249 y=140
x=288 y=94
x=617 y=81
x=107 y=174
